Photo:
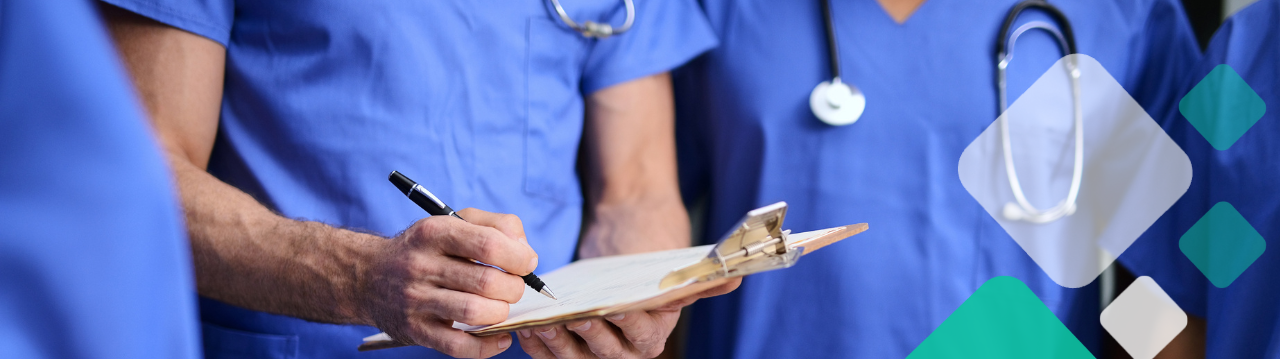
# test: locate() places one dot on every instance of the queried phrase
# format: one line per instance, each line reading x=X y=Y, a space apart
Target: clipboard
x=756 y=244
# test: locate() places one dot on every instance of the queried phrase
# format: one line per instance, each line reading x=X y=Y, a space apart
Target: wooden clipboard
x=651 y=280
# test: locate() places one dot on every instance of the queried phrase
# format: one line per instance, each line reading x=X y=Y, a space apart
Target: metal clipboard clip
x=756 y=244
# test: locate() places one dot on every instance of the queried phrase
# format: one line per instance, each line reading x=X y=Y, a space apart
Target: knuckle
x=556 y=344
x=467 y=313
x=652 y=352
x=411 y=294
x=417 y=267
x=427 y=229
x=487 y=247
x=610 y=352
x=452 y=347
x=648 y=344
x=510 y=220
x=477 y=311
x=484 y=282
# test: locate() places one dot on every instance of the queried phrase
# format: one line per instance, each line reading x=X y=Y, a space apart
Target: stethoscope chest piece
x=837 y=103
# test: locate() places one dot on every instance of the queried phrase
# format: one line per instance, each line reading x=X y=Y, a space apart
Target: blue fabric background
x=94 y=261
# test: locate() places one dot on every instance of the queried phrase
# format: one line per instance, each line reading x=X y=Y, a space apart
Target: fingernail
x=618 y=316
x=505 y=342
x=548 y=334
x=533 y=264
x=524 y=333
x=585 y=325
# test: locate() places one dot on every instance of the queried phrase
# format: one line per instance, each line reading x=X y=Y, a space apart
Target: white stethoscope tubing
x=1023 y=209
x=595 y=29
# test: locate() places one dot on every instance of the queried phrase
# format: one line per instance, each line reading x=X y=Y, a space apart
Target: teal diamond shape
x=1222 y=244
x=1222 y=107
x=1002 y=319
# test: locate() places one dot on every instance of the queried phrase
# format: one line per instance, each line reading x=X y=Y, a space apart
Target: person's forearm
x=244 y=254
x=247 y=256
x=632 y=188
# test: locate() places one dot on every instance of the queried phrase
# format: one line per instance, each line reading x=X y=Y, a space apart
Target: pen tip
x=547 y=292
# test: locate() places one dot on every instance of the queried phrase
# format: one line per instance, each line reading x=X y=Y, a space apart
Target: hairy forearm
x=244 y=254
x=248 y=256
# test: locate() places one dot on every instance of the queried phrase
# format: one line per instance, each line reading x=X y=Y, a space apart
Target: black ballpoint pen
x=436 y=207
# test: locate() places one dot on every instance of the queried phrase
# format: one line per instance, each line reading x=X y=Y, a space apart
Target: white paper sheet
x=599 y=283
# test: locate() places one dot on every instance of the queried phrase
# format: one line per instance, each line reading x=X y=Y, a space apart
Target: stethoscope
x=1023 y=210
x=839 y=103
x=594 y=29
x=835 y=102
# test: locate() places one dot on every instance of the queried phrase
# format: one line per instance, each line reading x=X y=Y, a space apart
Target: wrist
x=636 y=227
x=360 y=306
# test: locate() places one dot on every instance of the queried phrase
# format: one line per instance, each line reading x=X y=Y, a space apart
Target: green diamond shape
x=1002 y=319
x=1222 y=107
x=1222 y=244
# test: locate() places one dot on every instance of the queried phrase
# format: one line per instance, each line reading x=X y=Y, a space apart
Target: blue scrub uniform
x=748 y=135
x=479 y=101
x=94 y=261
x=1244 y=317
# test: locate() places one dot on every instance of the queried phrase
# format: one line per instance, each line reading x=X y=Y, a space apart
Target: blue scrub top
x=479 y=101
x=94 y=261
x=748 y=138
x=1244 y=317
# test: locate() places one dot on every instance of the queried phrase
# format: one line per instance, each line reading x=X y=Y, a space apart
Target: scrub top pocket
x=555 y=109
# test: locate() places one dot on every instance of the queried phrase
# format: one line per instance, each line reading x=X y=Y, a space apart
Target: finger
x=644 y=331
x=441 y=336
x=729 y=286
x=462 y=307
x=485 y=244
x=722 y=289
x=532 y=345
x=465 y=276
x=508 y=224
x=602 y=338
x=562 y=343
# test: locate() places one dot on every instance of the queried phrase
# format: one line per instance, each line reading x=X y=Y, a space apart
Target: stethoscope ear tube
x=1002 y=42
x=1021 y=209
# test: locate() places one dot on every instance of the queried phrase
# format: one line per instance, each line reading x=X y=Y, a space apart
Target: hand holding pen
x=433 y=205
x=447 y=284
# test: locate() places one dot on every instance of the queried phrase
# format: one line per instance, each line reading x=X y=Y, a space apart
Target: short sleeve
x=665 y=35
x=208 y=18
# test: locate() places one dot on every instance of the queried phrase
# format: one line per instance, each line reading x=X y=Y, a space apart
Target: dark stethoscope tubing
x=1064 y=26
x=833 y=48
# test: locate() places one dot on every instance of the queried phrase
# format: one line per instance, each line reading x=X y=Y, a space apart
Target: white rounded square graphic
x=1143 y=319
x=1132 y=171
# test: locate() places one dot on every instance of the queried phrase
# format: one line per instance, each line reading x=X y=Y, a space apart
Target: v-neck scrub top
x=748 y=138
x=480 y=101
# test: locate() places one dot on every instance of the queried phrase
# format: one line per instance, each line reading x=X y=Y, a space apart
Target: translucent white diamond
x=1133 y=172
x=1143 y=319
